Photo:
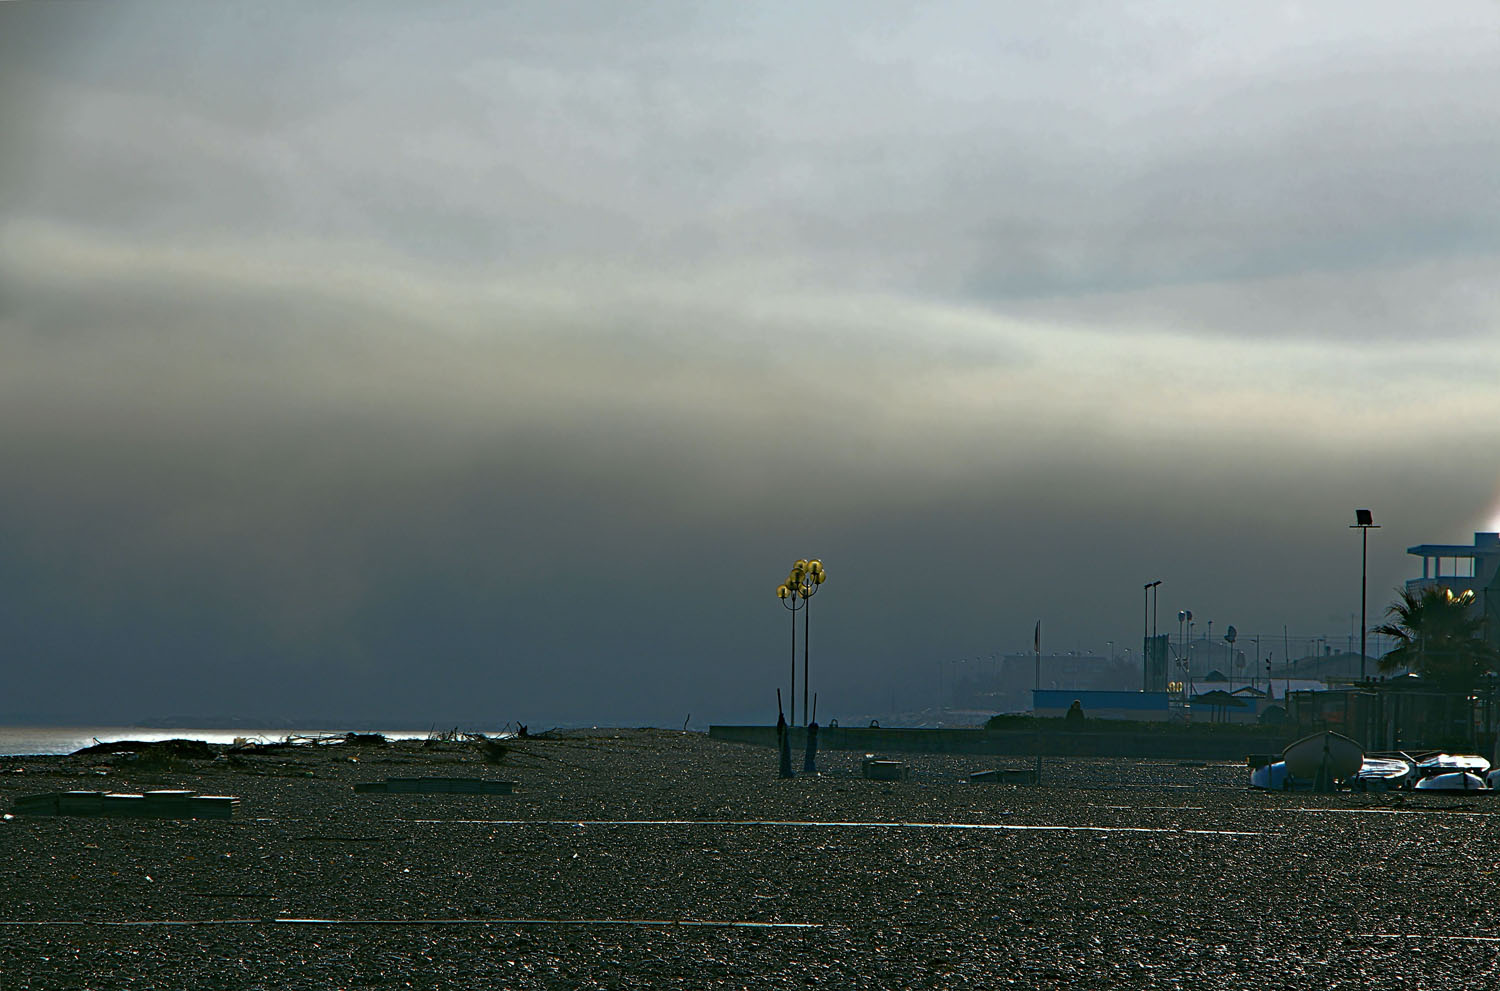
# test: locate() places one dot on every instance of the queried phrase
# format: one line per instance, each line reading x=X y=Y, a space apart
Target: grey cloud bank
x=468 y=360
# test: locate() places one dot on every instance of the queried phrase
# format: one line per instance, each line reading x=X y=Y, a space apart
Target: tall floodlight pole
x=1364 y=522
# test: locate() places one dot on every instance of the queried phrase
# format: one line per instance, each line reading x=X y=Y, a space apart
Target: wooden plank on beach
x=163 y=804
x=883 y=770
x=119 y=804
x=1005 y=775
x=213 y=806
x=37 y=805
x=436 y=786
x=80 y=803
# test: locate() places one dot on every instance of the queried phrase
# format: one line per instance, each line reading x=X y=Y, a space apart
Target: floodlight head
x=1362 y=517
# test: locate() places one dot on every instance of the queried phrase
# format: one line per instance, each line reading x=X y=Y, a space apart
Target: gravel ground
x=1114 y=873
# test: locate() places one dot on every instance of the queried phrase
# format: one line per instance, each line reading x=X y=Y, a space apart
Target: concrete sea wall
x=1218 y=743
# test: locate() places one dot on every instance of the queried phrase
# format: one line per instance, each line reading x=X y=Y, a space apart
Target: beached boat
x=1452 y=781
x=1441 y=763
x=1330 y=753
x=1383 y=772
x=1269 y=776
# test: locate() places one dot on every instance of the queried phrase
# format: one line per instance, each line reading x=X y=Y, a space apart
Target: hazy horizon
x=470 y=358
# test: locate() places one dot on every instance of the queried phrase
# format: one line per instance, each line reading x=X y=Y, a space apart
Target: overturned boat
x=1271 y=777
x=1452 y=781
x=1380 y=772
x=1325 y=756
x=1443 y=763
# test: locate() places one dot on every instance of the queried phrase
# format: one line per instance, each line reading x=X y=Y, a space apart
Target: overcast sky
x=495 y=361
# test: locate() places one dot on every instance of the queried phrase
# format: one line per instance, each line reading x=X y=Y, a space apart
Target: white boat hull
x=1452 y=781
x=1327 y=752
x=1383 y=772
x=1271 y=777
x=1453 y=762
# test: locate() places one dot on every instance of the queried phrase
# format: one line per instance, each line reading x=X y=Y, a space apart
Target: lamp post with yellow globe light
x=801 y=585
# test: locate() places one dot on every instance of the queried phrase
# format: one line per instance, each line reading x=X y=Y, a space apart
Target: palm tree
x=1438 y=636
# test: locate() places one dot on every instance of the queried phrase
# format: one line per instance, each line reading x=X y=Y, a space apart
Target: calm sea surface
x=66 y=739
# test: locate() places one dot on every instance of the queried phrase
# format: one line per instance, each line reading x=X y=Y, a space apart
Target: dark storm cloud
x=491 y=361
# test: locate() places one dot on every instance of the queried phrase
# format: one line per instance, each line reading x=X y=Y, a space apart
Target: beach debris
x=436 y=786
x=152 y=749
x=163 y=804
x=878 y=769
x=1005 y=775
x=494 y=751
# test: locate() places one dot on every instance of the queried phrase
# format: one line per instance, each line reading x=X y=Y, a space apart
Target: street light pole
x=788 y=594
x=1148 y=630
x=1155 y=603
x=1364 y=522
x=807 y=577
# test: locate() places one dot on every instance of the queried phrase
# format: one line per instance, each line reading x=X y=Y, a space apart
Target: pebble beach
x=651 y=858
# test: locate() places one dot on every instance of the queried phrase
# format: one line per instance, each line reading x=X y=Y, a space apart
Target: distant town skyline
x=366 y=358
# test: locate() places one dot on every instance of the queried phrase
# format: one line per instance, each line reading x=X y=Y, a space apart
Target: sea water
x=17 y=740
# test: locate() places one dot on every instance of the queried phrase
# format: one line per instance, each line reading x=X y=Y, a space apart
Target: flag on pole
x=1038 y=640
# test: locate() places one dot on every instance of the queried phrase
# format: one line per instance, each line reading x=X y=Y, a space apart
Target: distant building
x=1472 y=568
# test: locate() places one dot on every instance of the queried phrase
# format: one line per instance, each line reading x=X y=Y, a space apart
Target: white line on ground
x=694 y=923
x=1430 y=936
x=997 y=827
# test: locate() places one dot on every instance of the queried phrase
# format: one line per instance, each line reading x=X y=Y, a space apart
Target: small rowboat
x=1330 y=754
x=1382 y=772
x=1452 y=781
x=1439 y=763
x=1269 y=776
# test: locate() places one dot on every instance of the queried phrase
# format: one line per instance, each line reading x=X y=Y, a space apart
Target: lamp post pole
x=1155 y=604
x=1148 y=630
x=811 y=582
x=1364 y=521
x=801 y=585
x=788 y=594
x=1187 y=679
x=1183 y=618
